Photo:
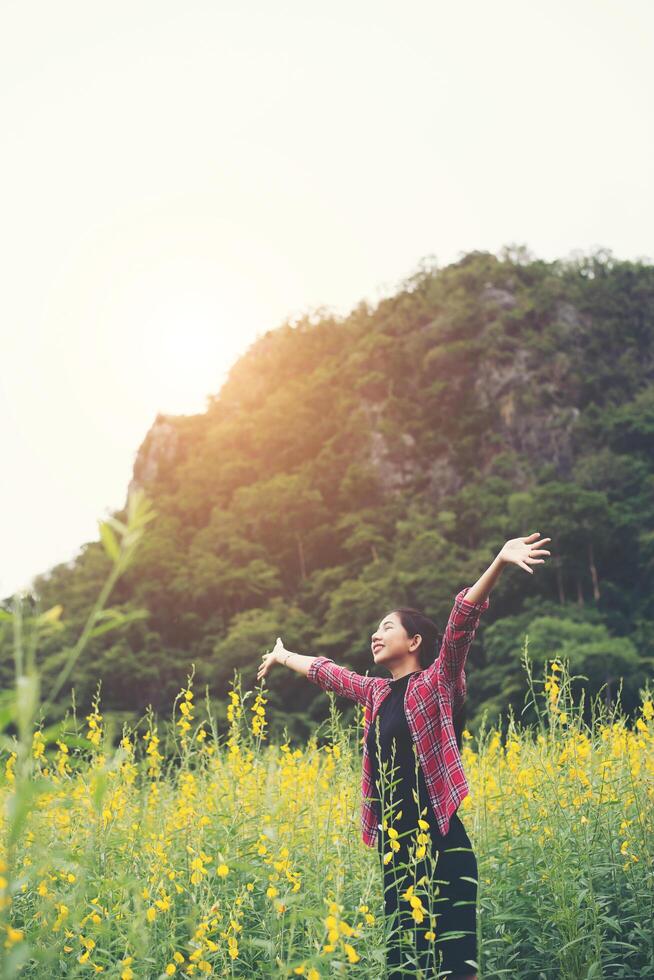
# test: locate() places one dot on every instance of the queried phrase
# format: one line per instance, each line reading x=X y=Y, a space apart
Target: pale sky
x=178 y=177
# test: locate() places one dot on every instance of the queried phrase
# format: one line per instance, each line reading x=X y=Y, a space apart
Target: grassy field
x=201 y=855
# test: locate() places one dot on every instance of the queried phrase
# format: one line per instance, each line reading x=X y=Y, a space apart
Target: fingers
x=526 y=567
x=264 y=667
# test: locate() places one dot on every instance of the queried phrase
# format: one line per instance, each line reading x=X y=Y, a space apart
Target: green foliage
x=351 y=465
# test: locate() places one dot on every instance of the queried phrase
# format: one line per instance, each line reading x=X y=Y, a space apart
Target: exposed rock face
x=444 y=479
x=159 y=446
x=499 y=382
x=569 y=315
x=498 y=297
x=397 y=472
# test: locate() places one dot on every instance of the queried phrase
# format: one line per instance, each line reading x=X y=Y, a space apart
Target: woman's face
x=390 y=643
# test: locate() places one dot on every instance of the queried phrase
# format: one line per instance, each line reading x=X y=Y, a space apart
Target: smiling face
x=392 y=647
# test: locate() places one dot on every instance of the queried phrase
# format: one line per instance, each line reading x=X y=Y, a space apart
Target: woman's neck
x=403 y=672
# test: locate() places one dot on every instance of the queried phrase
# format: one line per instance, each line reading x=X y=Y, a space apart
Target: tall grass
x=179 y=850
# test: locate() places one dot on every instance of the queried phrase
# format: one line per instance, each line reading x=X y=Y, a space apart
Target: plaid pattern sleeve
x=457 y=639
x=332 y=677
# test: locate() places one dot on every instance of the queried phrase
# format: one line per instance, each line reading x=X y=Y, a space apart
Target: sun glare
x=184 y=337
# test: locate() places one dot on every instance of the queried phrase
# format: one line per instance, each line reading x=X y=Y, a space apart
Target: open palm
x=525 y=551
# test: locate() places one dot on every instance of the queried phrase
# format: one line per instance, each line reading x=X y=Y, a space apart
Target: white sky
x=179 y=177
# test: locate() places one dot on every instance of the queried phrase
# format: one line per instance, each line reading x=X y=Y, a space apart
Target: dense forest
x=349 y=465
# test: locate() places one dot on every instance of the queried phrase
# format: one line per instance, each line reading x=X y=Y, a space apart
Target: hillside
x=349 y=465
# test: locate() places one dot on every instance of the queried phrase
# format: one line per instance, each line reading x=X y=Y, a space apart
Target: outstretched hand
x=270 y=658
x=524 y=551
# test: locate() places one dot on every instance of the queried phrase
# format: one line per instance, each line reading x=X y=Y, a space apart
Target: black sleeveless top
x=399 y=768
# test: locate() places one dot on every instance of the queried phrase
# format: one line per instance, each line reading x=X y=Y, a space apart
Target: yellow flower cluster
x=235 y=843
x=94 y=733
x=259 y=719
x=338 y=931
x=186 y=711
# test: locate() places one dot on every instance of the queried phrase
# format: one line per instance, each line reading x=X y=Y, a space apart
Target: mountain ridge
x=351 y=464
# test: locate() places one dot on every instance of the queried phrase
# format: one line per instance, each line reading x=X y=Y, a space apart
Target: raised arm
x=457 y=639
x=323 y=672
x=470 y=603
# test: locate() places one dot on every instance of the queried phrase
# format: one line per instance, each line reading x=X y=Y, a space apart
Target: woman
x=413 y=779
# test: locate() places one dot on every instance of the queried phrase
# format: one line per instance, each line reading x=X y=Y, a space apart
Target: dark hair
x=414 y=622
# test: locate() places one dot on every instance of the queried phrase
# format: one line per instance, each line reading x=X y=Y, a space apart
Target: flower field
x=197 y=854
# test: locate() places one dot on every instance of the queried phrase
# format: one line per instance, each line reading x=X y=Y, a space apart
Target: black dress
x=436 y=875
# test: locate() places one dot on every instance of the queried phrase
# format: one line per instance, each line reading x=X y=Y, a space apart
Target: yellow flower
x=38 y=745
x=13 y=936
x=222 y=870
x=352 y=954
x=9 y=768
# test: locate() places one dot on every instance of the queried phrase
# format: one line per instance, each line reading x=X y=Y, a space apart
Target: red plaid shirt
x=432 y=696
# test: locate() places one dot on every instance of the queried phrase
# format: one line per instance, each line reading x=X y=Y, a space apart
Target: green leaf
x=111 y=546
x=116 y=619
x=50 y=616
